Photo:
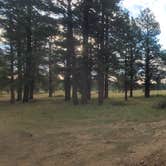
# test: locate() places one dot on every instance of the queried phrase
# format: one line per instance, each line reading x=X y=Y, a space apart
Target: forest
x=82 y=83
x=78 y=47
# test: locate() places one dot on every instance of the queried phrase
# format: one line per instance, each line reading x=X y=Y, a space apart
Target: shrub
x=161 y=104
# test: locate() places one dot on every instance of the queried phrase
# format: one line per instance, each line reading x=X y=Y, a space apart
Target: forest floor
x=49 y=132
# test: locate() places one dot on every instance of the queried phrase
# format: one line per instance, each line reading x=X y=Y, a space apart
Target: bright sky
x=158 y=7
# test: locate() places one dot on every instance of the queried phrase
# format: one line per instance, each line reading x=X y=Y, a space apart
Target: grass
x=50 y=112
x=66 y=130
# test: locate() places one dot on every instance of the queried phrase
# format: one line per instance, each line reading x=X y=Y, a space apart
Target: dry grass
x=50 y=132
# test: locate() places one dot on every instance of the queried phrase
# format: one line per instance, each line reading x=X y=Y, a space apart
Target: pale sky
x=158 y=7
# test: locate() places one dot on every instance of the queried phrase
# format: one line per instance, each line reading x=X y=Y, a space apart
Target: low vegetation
x=161 y=104
x=110 y=134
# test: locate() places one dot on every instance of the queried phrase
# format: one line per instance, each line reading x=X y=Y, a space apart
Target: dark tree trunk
x=32 y=88
x=32 y=80
x=89 y=84
x=89 y=74
x=74 y=82
x=85 y=59
x=67 y=81
x=71 y=53
x=131 y=72
x=50 y=81
x=20 y=51
x=68 y=72
x=19 y=93
x=126 y=80
x=20 y=74
x=33 y=69
x=147 y=72
x=101 y=85
x=74 y=95
x=106 y=85
x=26 y=93
x=101 y=62
x=12 y=93
x=27 y=75
x=147 y=80
x=84 y=81
x=106 y=82
x=67 y=87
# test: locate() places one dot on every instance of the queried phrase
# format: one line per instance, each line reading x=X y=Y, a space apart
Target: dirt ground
x=116 y=144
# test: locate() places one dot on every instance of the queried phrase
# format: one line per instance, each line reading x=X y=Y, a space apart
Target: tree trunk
x=32 y=88
x=106 y=85
x=89 y=74
x=147 y=81
x=100 y=85
x=67 y=80
x=27 y=75
x=101 y=61
x=12 y=93
x=85 y=59
x=106 y=82
x=50 y=81
x=147 y=71
x=126 y=80
x=20 y=74
x=71 y=53
x=131 y=72
x=74 y=82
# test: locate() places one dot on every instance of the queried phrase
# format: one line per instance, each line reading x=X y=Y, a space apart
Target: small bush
x=161 y=104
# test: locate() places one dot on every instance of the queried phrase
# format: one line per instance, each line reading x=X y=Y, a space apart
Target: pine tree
x=150 y=29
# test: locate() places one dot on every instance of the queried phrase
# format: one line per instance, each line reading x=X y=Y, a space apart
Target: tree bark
x=31 y=92
x=85 y=59
x=147 y=71
x=33 y=70
x=106 y=82
x=106 y=85
x=50 y=81
x=131 y=72
x=67 y=80
x=126 y=80
x=12 y=93
x=89 y=74
x=71 y=53
x=101 y=61
x=100 y=84
x=20 y=74
x=27 y=75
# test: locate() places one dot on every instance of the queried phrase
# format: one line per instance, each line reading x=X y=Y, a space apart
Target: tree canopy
x=77 y=46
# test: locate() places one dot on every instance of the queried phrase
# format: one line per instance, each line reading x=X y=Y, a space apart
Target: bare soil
x=115 y=144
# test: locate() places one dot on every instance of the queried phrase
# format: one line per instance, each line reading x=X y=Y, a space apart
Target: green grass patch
x=55 y=112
